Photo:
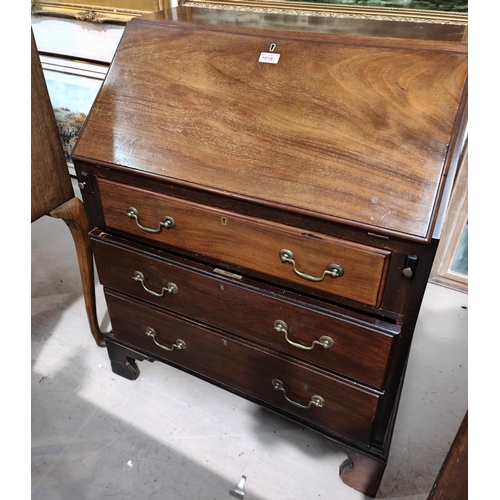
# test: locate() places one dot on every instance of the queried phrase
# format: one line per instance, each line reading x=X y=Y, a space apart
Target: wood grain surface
x=50 y=182
x=361 y=349
x=338 y=153
x=349 y=409
x=358 y=133
x=248 y=243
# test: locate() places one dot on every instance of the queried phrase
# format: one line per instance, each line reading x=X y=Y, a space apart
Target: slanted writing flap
x=355 y=133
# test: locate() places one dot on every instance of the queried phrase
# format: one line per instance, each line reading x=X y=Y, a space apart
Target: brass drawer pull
x=170 y=288
x=333 y=270
x=317 y=401
x=179 y=343
x=324 y=341
x=167 y=223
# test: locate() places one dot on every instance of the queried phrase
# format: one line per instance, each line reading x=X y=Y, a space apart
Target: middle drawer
x=354 y=346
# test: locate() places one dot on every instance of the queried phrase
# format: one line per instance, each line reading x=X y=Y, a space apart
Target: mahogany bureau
x=266 y=193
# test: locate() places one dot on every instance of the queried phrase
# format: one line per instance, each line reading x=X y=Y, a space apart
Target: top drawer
x=321 y=262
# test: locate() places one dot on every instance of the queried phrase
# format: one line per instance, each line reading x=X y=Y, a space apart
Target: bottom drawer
x=326 y=401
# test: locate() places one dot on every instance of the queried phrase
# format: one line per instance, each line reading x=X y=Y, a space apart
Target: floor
x=170 y=436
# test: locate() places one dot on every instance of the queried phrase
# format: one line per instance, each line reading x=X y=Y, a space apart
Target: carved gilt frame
x=118 y=11
x=334 y=10
x=122 y=11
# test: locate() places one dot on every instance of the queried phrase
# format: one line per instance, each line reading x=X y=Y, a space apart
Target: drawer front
x=272 y=249
x=343 y=409
x=334 y=341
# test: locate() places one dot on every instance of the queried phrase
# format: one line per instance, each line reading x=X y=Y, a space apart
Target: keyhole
x=272 y=47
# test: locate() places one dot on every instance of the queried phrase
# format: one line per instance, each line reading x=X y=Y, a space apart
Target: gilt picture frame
x=426 y=11
x=97 y=11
